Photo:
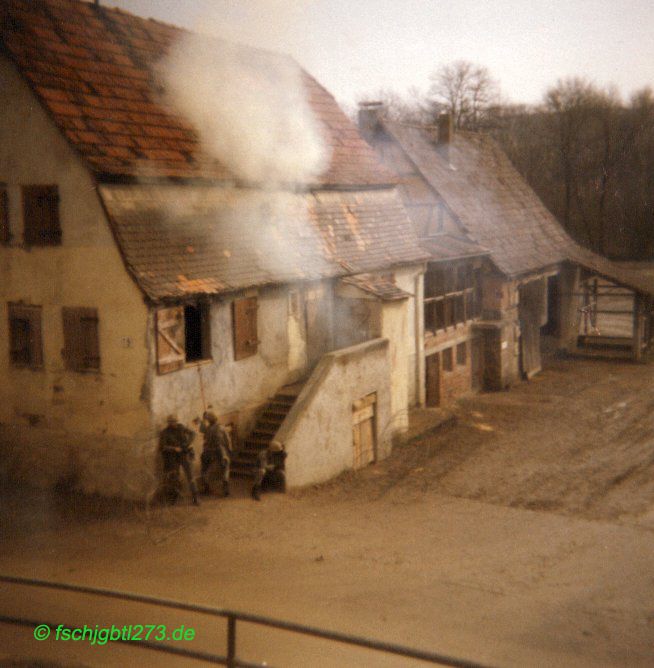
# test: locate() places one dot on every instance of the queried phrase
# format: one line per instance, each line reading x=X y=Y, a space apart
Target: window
x=462 y=354
x=451 y=296
x=197 y=335
x=244 y=317
x=41 y=216
x=81 y=342
x=5 y=231
x=448 y=360
x=183 y=336
x=25 y=345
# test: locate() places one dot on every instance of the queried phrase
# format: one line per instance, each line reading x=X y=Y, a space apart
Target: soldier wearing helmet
x=269 y=461
x=175 y=447
x=217 y=449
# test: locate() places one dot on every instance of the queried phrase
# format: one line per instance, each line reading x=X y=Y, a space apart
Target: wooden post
x=637 y=344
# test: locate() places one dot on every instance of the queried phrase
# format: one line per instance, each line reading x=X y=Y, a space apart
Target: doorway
x=364 y=437
x=433 y=379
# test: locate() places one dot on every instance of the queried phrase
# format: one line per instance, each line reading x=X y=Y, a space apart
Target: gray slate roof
x=444 y=247
x=496 y=206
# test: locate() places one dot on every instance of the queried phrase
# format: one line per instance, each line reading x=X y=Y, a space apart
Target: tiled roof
x=496 y=206
x=378 y=286
x=447 y=246
x=92 y=68
x=185 y=240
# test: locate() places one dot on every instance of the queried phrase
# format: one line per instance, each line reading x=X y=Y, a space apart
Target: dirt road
x=522 y=535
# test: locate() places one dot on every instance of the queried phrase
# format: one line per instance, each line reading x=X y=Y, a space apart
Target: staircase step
x=246 y=457
x=242 y=472
x=256 y=443
x=274 y=416
x=281 y=406
x=265 y=425
x=263 y=434
x=244 y=462
x=284 y=399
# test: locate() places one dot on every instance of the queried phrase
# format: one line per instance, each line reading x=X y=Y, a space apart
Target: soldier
x=175 y=446
x=266 y=465
x=217 y=448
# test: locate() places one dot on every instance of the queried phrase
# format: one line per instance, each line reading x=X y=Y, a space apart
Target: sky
x=357 y=47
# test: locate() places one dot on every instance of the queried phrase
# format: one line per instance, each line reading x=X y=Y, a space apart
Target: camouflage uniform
x=217 y=447
x=174 y=444
x=265 y=465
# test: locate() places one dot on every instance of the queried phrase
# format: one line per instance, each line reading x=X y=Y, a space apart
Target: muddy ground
x=520 y=535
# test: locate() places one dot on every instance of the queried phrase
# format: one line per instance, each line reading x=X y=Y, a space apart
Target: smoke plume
x=248 y=105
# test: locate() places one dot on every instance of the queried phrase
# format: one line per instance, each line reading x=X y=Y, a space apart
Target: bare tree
x=590 y=158
x=466 y=90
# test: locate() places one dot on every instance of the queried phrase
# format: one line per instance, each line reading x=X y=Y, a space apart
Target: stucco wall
x=317 y=433
x=48 y=407
x=230 y=385
x=410 y=280
x=395 y=329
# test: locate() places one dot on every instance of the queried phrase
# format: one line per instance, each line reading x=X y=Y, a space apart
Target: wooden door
x=364 y=440
x=532 y=312
x=492 y=356
x=477 y=363
x=433 y=379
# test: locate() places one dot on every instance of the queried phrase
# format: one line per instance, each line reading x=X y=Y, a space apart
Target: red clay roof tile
x=94 y=64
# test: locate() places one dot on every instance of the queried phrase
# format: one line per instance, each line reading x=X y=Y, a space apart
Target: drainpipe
x=420 y=339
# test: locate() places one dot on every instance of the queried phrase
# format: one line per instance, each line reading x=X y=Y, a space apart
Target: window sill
x=189 y=365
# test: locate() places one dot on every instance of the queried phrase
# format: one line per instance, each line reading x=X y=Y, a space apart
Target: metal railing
x=231 y=660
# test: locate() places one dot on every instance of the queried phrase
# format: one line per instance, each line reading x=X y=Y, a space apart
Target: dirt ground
x=521 y=534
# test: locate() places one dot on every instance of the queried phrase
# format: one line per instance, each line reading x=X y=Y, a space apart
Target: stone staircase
x=244 y=462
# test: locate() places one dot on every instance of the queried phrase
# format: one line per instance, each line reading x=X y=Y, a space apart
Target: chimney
x=369 y=115
x=445 y=134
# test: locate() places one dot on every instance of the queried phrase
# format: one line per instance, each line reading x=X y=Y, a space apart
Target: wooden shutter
x=5 y=233
x=171 y=352
x=41 y=215
x=81 y=340
x=244 y=314
x=90 y=341
x=25 y=342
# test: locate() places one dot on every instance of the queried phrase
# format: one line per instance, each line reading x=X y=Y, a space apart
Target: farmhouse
x=139 y=276
x=501 y=267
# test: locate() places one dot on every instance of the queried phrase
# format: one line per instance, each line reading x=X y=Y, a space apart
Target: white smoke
x=248 y=106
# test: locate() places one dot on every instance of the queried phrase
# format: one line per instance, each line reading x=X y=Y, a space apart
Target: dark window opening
x=461 y=354
x=25 y=347
x=197 y=337
x=5 y=231
x=41 y=216
x=448 y=360
x=20 y=342
x=452 y=296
